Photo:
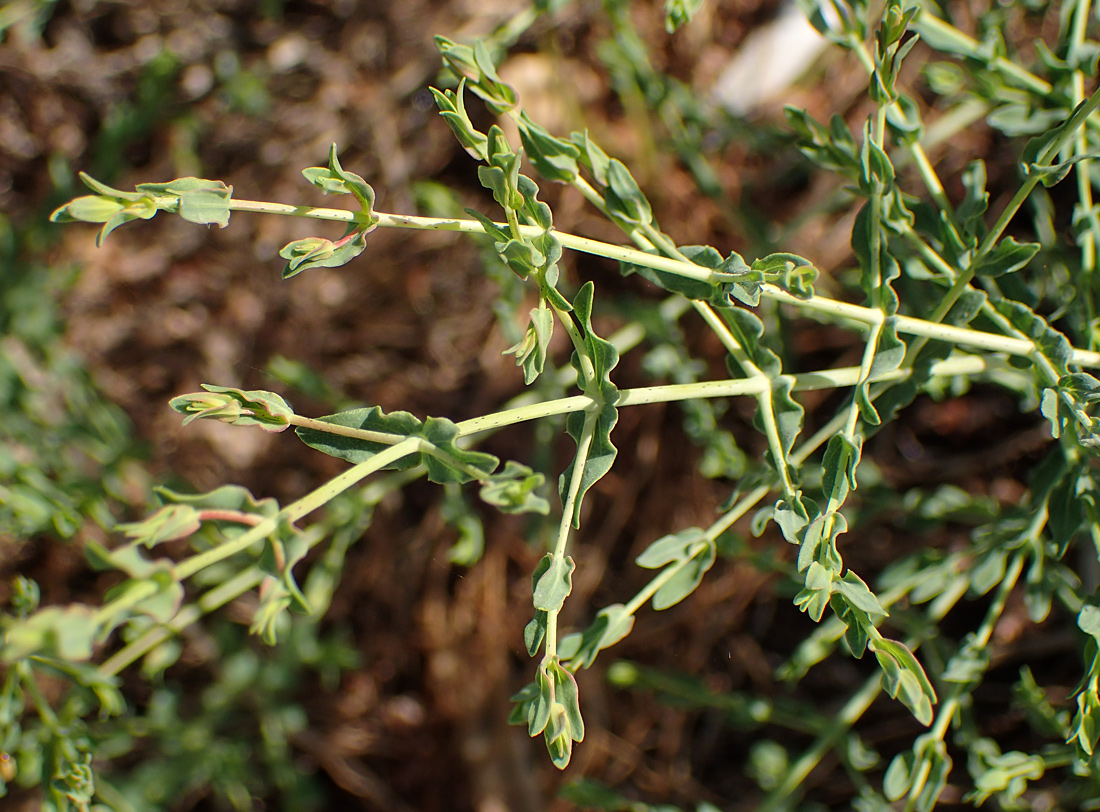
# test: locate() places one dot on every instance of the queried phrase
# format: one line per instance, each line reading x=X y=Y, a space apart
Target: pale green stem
x=584 y=445
x=346 y=431
x=291 y=513
x=763 y=397
x=819 y=304
x=1079 y=117
x=920 y=158
x=1082 y=171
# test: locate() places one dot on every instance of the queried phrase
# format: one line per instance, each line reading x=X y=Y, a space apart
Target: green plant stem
x=920 y=158
x=1080 y=116
x=584 y=445
x=1082 y=173
x=345 y=431
x=818 y=304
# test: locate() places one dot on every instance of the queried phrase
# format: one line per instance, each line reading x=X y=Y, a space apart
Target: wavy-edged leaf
x=513 y=490
x=554 y=158
x=552 y=582
x=530 y=351
x=316 y=252
x=612 y=624
x=687 y=578
x=398 y=425
x=200 y=201
x=904 y=678
x=667 y=549
x=602 y=452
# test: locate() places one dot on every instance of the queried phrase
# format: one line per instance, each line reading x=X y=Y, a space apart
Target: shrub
x=950 y=299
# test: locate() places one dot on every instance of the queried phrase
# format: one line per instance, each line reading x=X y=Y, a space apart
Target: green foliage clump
x=947 y=298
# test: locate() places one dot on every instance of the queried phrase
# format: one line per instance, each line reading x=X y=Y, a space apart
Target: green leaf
x=335 y=180
x=612 y=624
x=316 y=252
x=624 y=197
x=67 y=632
x=904 y=678
x=445 y=461
x=814 y=598
x=539 y=708
x=565 y=693
x=604 y=357
x=162 y=605
x=453 y=110
x=1088 y=621
x=552 y=582
x=530 y=351
x=200 y=201
x=553 y=158
x=449 y=462
x=899 y=776
x=255 y=407
x=859 y=595
x=534 y=633
x=87 y=209
x=679 y=13
x=1051 y=343
x=1009 y=256
x=513 y=490
x=792 y=273
x=687 y=578
x=398 y=425
x=672 y=548
x=497 y=181
x=974 y=204
x=839 y=466
x=167 y=524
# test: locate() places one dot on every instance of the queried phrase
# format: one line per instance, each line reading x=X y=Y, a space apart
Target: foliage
x=948 y=297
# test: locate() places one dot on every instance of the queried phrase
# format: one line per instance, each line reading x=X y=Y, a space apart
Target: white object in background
x=769 y=61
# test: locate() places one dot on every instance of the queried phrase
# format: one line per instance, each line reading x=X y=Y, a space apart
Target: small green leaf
x=552 y=583
x=611 y=625
x=531 y=350
x=539 y=707
x=687 y=578
x=453 y=110
x=535 y=632
x=397 y=425
x=316 y=252
x=671 y=548
x=167 y=524
x=857 y=593
x=904 y=678
x=68 y=633
x=1088 y=621
x=554 y=158
x=228 y=404
x=1007 y=257
x=200 y=201
x=624 y=197
x=679 y=13
x=513 y=490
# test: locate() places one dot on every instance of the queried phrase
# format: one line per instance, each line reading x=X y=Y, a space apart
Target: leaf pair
x=194 y=199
